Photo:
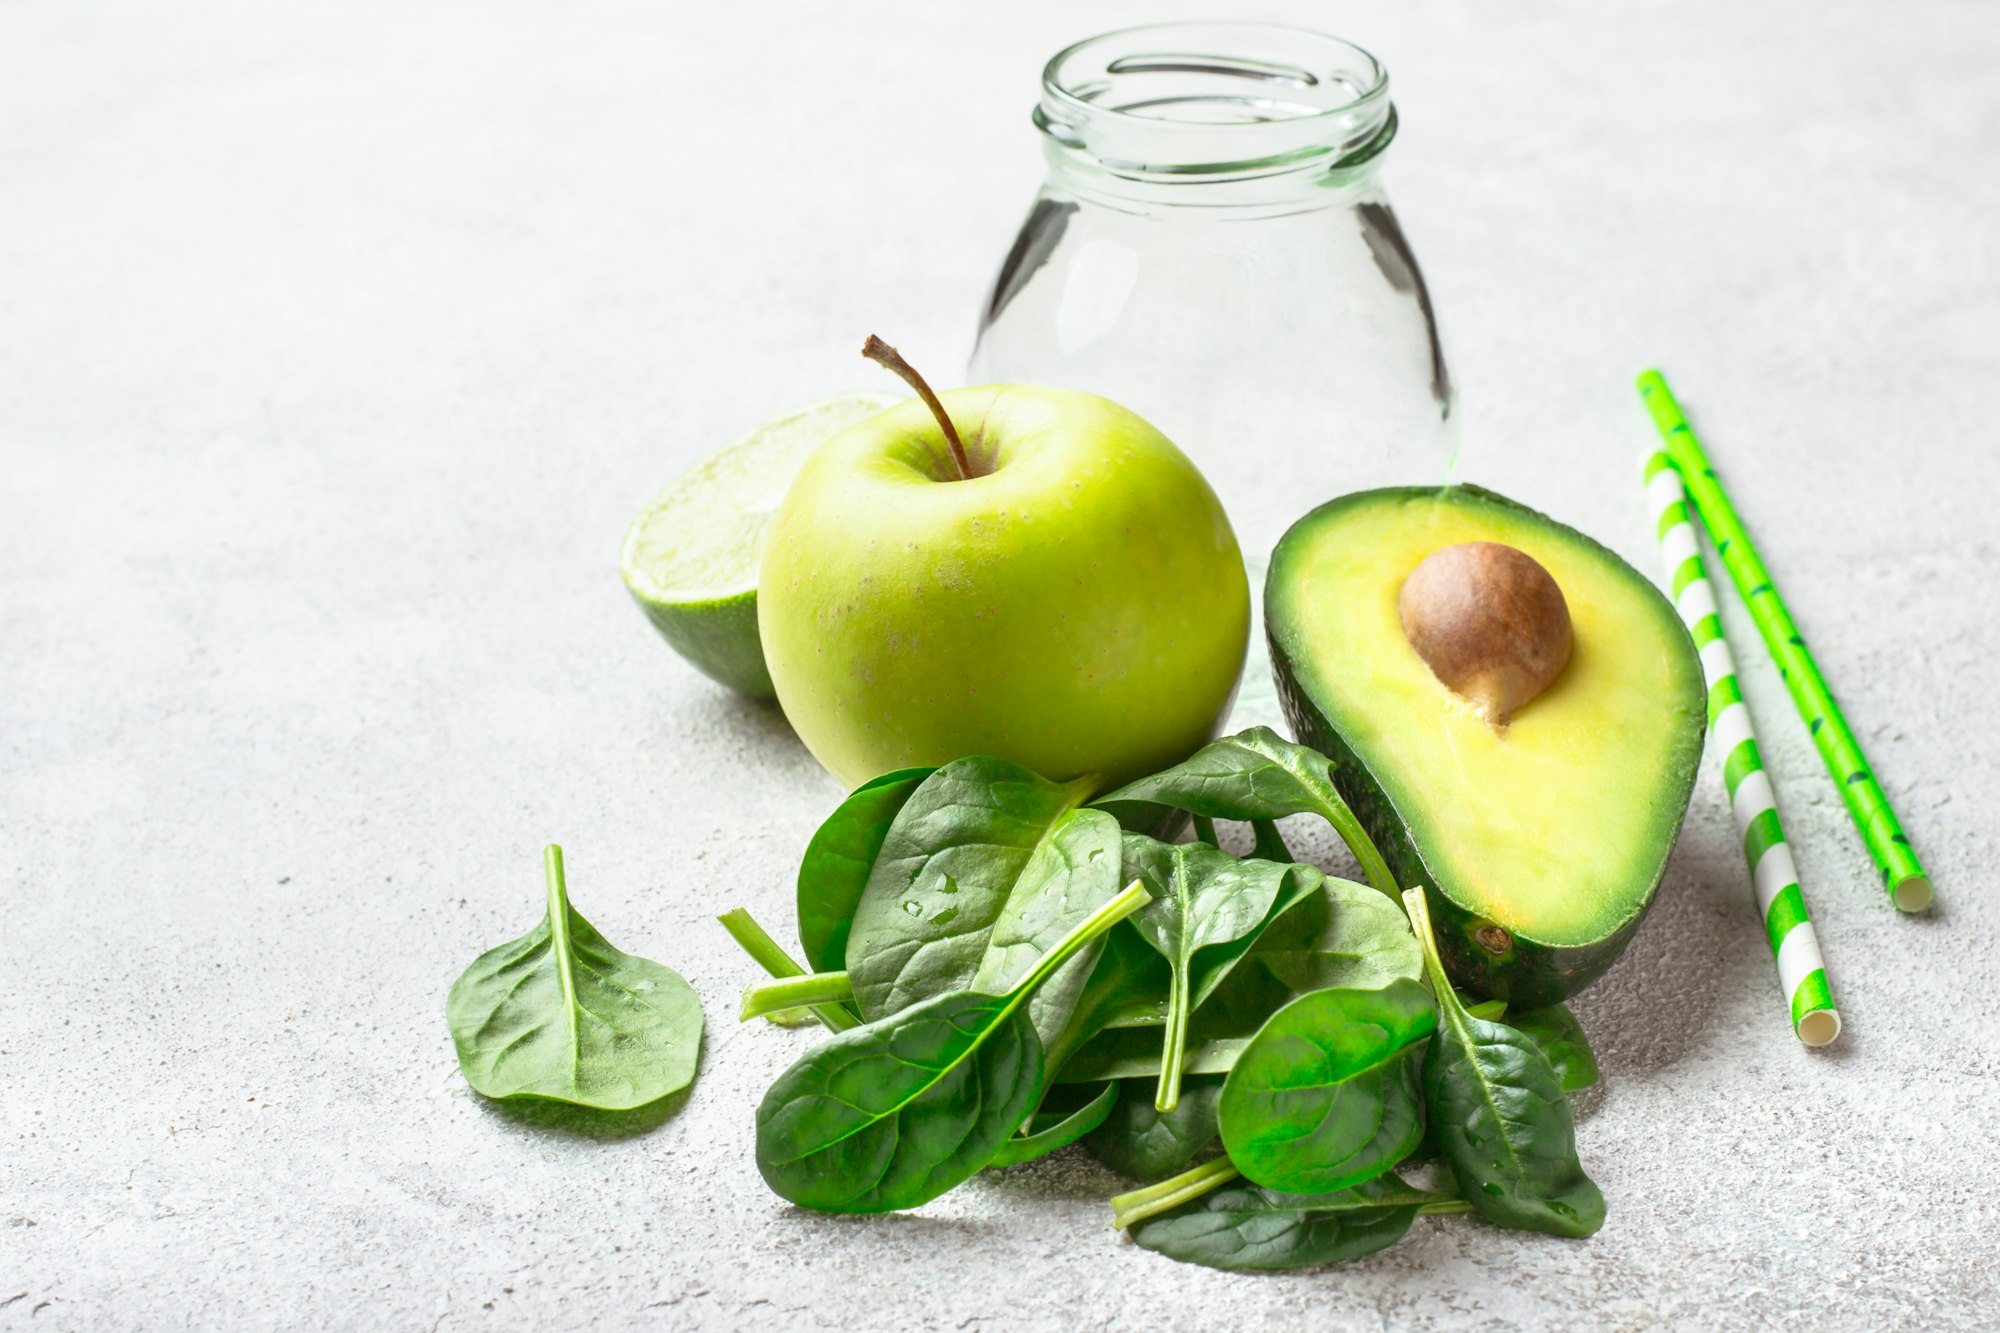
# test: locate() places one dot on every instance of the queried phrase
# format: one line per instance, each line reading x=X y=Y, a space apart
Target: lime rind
x=717 y=638
x=690 y=558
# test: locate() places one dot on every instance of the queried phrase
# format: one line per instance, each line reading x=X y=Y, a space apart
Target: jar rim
x=1375 y=85
x=1261 y=111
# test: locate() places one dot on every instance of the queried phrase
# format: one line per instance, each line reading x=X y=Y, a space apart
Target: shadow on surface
x=1069 y=1172
x=928 y=1225
x=1583 y=1105
x=761 y=721
x=755 y=730
x=1699 y=943
x=542 y=1114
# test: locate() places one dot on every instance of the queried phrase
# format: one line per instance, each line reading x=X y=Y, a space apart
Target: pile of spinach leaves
x=1010 y=965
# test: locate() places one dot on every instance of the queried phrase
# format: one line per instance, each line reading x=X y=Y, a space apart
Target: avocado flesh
x=1555 y=828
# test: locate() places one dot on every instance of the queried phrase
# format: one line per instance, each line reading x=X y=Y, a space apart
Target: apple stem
x=890 y=359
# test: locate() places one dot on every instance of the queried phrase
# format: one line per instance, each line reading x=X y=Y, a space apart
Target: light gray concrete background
x=339 y=342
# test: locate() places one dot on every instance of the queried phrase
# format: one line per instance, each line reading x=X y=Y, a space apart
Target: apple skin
x=1081 y=607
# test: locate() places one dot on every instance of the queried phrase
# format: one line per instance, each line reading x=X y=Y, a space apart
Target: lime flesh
x=690 y=557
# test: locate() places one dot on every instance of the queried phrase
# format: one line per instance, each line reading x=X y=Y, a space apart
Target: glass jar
x=1213 y=249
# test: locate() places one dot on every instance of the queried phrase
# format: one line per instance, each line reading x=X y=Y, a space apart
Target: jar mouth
x=1220 y=98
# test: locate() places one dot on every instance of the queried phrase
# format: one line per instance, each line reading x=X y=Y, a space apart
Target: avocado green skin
x=1531 y=974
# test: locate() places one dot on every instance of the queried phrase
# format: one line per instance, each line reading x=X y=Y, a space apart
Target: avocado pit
x=1489 y=622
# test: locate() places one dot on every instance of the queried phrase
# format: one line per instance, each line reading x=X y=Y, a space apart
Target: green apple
x=1062 y=590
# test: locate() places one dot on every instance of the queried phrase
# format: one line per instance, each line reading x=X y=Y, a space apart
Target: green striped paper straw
x=1903 y=876
x=1780 y=901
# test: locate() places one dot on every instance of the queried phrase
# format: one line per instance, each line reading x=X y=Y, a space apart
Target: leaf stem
x=1270 y=844
x=1136 y=1206
x=1029 y=1143
x=559 y=949
x=1131 y=899
x=1449 y=1005
x=1339 y=814
x=768 y=954
x=1204 y=831
x=890 y=359
x=1444 y=1208
x=820 y=988
x=1173 y=1047
x=764 y=951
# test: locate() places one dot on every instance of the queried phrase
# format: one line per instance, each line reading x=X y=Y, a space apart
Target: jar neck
x=1215 y=116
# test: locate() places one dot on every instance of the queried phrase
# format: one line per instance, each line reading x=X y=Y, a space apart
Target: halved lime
x=690 y=558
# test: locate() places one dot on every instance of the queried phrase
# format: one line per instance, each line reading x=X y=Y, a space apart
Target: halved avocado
x=1540 y=842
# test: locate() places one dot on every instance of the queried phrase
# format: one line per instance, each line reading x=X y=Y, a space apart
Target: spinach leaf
x=1203 y=899
x=1561 y=1038
x=560 y=1014
x=1046 y=1132
x=950 y=861
x=1071 y=874
x=1257 y=774
x=1428 y=1150
x=895 y=1113
x=1248 y=1227
x=1501 y=1119
x=1140 y=1140
x=839 y=859
x=1325 y=1095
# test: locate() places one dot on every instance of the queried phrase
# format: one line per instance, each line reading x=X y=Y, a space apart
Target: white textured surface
x=338 y=342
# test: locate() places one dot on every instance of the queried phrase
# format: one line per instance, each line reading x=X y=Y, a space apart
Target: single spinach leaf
x=1140 y=1140
x=895 y=1113
x=1429 y=1150
x=1250 y=1228
x=1046 y=1132
x=1561 y=1038
x=1325 y=1095
x=1202 y=898
x=1257 y=774
x=949 y=864
x=1502 y=1121
x=562 y=1015
x=839 y=860
x=1071 y=874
